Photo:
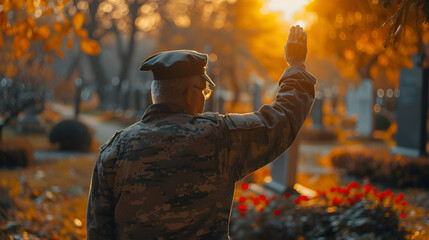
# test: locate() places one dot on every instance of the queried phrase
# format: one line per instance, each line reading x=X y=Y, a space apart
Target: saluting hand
x=296 y=47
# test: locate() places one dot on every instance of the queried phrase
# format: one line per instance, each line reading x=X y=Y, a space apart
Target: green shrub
x=71 y=135
x=390 y=169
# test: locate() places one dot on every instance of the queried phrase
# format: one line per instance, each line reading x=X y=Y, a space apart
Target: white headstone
x=283 y=170
x=351 y=101
x=365 y=109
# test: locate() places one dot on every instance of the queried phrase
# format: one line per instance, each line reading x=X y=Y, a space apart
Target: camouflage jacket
x=172 y=175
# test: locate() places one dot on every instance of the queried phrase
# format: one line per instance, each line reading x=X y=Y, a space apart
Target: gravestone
x=78 y=85
x=283 y=170
x=257 y=95
x=351 y=101
x=30 y=121
x=365 y=112
x=317 y=113
x=412 y=110
x=124 y=95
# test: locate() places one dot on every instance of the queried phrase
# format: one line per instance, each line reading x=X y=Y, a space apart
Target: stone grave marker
x=412 y=110
x=257 y=95
x=77 y=99
x=351 y=101
x=365 y=112
x=316 y=112
x=283 y=170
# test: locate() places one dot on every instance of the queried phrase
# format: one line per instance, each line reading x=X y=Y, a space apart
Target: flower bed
x=353 y=212
x=393 y=170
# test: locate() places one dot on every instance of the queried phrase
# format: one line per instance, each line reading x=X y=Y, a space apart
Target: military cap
x=177 y=64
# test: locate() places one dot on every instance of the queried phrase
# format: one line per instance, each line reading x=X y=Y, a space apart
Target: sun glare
x=287 y=7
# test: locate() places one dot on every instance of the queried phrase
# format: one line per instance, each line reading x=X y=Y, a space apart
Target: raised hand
x=296 y=47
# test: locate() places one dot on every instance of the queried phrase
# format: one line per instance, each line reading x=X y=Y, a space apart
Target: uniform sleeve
x=100 y=211
x=255 y=139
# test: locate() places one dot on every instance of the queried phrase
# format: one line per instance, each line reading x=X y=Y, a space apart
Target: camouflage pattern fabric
x=172 y=175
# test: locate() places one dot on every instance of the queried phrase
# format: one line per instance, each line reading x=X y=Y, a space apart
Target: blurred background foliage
x=103 y=42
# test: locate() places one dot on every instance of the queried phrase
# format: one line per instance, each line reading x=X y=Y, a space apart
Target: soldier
x=172 y=175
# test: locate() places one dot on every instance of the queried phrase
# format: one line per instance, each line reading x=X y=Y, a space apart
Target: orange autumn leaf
x=24 y=44
x=44 y=3
x=30 y=21
x=60 y=54
x=30 y=6
x=44 y=32
x=18 y=4
x=4 y=22
x=78 y=20
x=20 y=45
x=90 y=47
x=48 y=12
x=65 y=1
x=57 y=27
x=10 y=31
x=1 y=40
x=56 y=41
x=70 y=44
x=21 y=27
x=7 y=6
x=82 y=33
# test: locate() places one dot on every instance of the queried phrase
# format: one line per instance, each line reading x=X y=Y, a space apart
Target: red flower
x=242 y=199
x=287 y=195
x=399 y=198
x=256 y=201
x=245 y=186
x=404 y=203
x=261 y=209
x=359 y=196
x=320 y=194
x=354 y=184
x=367 y=187
x=343 y=190
x=277 y=212
x=403 y=215
x=262 y=197
x=333 y=189
x=337 y=201
x=351 y=201
x=267 y=201
x=242 y=207
x=301 y=198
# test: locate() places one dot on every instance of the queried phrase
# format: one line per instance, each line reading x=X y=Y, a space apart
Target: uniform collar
x=163 y=108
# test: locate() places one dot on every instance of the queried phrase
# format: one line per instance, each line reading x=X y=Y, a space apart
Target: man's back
x=168 y=180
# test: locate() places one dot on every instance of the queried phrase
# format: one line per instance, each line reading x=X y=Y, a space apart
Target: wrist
x=300 y=65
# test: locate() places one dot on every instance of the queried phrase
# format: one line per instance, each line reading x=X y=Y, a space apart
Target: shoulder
x=210 y=116
x=109 y=151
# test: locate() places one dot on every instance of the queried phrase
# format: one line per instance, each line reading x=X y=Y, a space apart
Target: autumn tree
x=350 y=32
x=31 y=32
x=116 y=22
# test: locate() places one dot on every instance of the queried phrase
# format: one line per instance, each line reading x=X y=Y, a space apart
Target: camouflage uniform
x=172 y=175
